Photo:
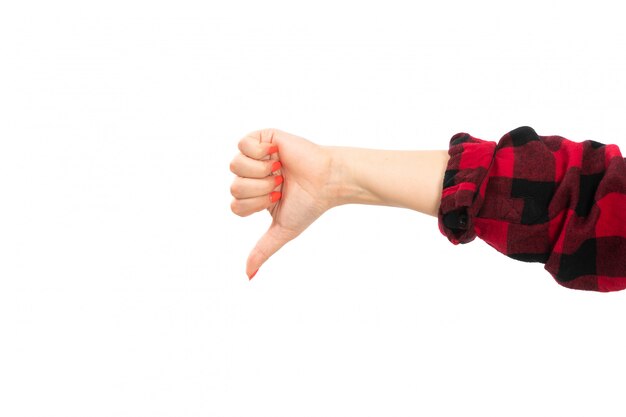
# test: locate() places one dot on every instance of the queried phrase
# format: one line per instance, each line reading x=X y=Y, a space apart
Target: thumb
x=267 y=245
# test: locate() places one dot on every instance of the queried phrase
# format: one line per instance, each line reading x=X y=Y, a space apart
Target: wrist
x=343 y=182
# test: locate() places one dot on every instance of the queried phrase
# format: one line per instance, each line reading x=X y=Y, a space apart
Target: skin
x=317 y=178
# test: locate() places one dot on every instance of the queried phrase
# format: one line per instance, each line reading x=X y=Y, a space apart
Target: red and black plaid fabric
x=541 y=199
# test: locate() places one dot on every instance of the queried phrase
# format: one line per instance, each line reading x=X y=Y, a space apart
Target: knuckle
x=240 y=144
x=235 y=207
x=234 y=190
x=233 y=166
x=240 y=211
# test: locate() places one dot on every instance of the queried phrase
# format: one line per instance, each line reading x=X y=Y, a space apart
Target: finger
x=246 y=206
x=252 y=187
x=244 y=166
x=268 y=245
x=252 y=147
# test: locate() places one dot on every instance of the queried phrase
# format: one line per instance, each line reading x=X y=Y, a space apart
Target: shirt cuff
x=464 y=185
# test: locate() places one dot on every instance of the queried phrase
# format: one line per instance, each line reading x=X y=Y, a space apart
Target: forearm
x=408 y=179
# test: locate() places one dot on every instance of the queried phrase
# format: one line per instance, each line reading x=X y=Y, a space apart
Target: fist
x=285 y=174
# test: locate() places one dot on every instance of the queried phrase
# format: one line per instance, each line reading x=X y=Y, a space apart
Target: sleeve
x=541 y=199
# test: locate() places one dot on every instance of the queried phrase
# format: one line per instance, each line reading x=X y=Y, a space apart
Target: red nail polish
x=253 y=274
x=274 y=196
x=272 y=149
x=278 y=179
x=276 y=166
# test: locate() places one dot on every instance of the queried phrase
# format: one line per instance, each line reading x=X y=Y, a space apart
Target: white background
x=122 y=269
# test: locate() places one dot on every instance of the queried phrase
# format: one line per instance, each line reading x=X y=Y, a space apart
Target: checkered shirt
x=541 y=199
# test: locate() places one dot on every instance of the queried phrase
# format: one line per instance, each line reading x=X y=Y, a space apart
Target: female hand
x=294 y=201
